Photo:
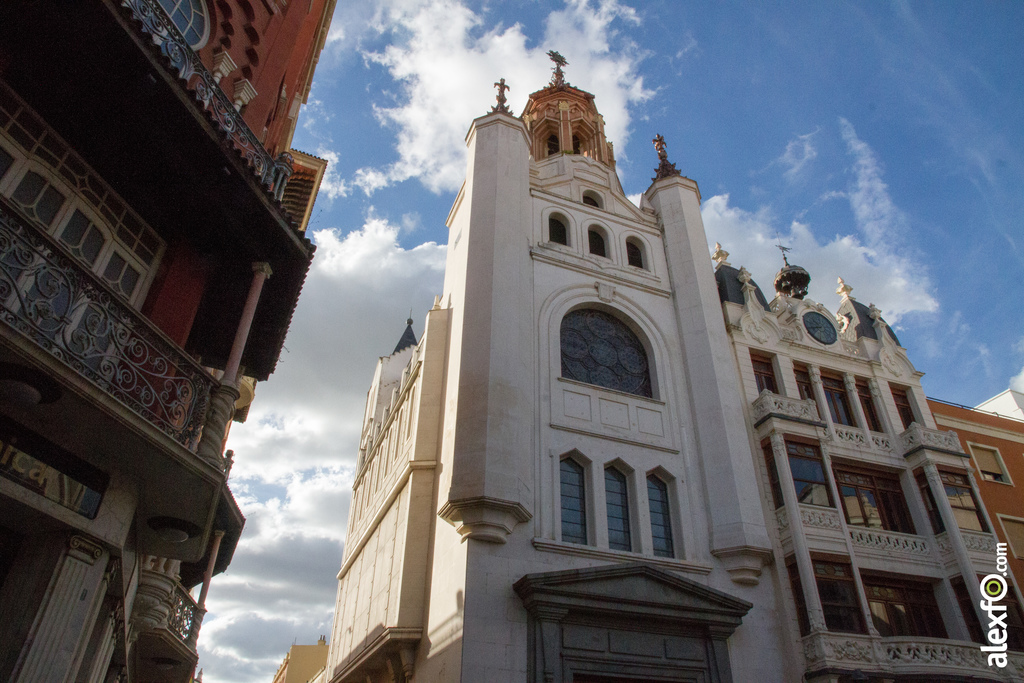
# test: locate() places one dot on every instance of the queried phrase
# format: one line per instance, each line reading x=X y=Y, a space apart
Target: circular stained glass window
x=598 y=348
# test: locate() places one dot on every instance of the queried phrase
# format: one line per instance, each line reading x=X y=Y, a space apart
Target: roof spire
x=408 y=337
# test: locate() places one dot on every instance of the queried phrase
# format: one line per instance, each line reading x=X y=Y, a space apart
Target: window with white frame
x=989 y=463
x=191 y=19
x=69 y=202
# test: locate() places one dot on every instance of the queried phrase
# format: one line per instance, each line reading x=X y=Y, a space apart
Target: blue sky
x=881 y=141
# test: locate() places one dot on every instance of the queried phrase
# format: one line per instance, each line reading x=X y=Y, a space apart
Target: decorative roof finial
x=502 y=105
x=844 y=290
x=791 y=280
x=665 y=167
x=557 y=77
x=720 y=255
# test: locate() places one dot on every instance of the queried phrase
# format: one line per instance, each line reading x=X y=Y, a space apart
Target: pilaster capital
x=814 y=372
x=262 y=267
x=84 y=549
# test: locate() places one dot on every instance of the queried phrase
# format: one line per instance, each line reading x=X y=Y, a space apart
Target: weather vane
x=557 y=78
x=782 y=249
x=502 y=105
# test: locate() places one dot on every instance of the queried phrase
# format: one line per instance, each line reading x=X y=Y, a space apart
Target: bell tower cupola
x=562 y=119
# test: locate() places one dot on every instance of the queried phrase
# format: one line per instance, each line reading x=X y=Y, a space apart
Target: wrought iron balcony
x=159 y=28
x=47 y=297
x=165 y=621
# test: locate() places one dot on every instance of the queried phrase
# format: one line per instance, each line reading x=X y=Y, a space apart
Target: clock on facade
x=820 y=327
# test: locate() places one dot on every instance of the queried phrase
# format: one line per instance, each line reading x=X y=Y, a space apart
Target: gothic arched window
x=190 y=18
x=598 y=348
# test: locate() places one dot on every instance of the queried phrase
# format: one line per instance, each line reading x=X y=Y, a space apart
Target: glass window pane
x=92 y=244
x=596 y=243
x=115 y=265
x=49 y=204
x=661 y=527
x=598 y=348
x=807 y=470
x=574 y=520
x=6 y=161
x=129 y=280
x=28 y=189
x=618 y=509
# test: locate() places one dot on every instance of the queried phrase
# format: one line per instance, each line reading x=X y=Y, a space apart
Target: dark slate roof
x=408 y=338
x=731 y=289
x=859 y=316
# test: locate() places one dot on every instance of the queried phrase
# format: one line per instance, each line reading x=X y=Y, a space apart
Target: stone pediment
x=631 y=590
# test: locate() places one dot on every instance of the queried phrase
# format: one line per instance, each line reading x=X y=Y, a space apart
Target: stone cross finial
x=665 y=167
x=557 y=76
x=844 y=290
x=502 y=105
x=720 y=255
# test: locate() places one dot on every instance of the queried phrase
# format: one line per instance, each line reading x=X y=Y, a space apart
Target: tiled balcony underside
x=52 y=300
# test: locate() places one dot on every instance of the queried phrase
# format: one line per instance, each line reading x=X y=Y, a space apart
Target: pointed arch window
x=617 y=500
x=574 y=504
x=661 y=521
x=598 y=348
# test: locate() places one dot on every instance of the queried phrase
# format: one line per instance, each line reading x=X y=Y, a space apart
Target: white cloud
x=750 y=237
x=446 y=61
x=1017 y=381
x=799 y=152
x=307 y=414
x=332 y=185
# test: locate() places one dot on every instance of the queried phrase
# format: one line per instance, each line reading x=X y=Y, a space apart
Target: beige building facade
x=574 y=476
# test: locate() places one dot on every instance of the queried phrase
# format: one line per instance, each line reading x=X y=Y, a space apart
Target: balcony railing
x=49 y=298
x=158 y=27
x=185 y=617
x=768 y=404
x=917 y=436
x=891 y=543
x=906 y=656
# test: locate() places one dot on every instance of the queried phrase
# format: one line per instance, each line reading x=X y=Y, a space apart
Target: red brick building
x=151 y=256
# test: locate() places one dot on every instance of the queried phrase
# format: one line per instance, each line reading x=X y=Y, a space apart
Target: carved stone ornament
x=502 y=105
x=721 y=256
x=84 y=549
x=890 y=363
x=823 y=647
x=917 y=436
x=849 y=436
x=605 y=291
x=782 y=406
x=782 y=518
x=980 y=541
x=754 y=330
x=824 y=518
x=483 y=518
x=889 y=542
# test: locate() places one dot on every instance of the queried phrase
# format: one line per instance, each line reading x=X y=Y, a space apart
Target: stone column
x=805 y=568
x=862 y=598
x=739 y=538
x=819 y=398
x=850 y=383
x=65 y=621
x=880 y=407
x=956 y=540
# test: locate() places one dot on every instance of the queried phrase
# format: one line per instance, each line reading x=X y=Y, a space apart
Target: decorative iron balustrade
x=273 y=174
x=51 y=299
x=185 y=617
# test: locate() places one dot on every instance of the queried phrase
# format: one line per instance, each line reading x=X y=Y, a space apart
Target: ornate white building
x=606 y=460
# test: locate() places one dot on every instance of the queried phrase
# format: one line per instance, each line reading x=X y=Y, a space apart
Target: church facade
x=608 y=460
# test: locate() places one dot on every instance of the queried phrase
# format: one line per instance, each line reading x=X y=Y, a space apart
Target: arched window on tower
x=591 y=198
x=598 y=348
x=596 y=243
x=557 y=231
x=661 y=521
x=552 y=144
x=575 y=144
x=634 y=253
